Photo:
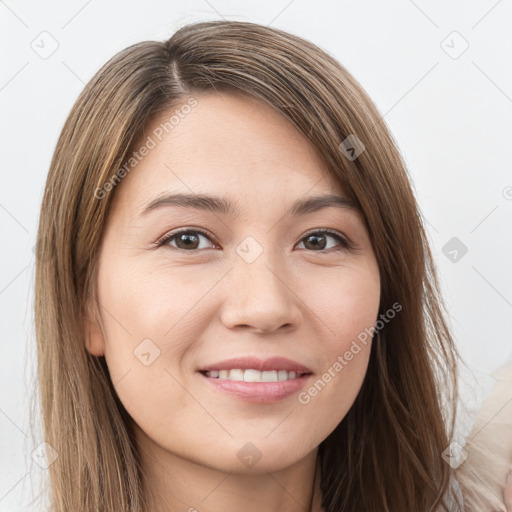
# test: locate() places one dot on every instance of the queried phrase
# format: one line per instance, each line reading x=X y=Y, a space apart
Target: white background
x=451 y=118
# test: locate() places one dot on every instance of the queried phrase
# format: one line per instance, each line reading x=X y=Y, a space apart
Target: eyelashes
x=343 y=242
x=192 y=235
x=188 y=231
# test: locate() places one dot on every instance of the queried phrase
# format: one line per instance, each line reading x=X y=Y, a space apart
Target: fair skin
x=200 y=302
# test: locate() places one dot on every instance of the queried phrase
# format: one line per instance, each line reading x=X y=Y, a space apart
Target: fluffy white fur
x=483 y=475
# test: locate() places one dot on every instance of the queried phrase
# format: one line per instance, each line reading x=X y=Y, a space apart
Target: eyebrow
x=224 y=205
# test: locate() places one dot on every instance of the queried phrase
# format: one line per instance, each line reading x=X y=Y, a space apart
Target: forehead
x=227 y=145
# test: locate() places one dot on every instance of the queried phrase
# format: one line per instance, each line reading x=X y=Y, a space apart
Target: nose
x=261 y=297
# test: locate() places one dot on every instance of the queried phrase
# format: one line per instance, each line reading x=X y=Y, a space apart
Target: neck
x=173 y=483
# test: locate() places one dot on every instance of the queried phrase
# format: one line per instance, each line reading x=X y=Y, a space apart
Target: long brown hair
x=386 y=454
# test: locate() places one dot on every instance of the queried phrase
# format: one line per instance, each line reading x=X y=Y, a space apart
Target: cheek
x=348 y=311
x=145 y=302
x=150 y=327
x=354 y=308
x=346 y=301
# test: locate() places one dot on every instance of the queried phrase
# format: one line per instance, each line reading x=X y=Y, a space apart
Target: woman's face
x=253 y=276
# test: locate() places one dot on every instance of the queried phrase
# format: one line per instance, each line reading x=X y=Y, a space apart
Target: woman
x=240 y=310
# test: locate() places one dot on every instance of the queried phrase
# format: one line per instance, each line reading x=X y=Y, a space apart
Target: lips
x=254 y=363
x=251 y=379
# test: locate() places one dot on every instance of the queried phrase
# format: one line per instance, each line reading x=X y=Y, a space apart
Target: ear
x=94 y=337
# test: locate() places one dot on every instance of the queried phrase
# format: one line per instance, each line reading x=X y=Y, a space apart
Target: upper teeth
x=252 y=375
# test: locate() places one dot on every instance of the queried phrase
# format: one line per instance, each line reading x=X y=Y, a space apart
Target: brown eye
x=186 y=240
x=318 y=241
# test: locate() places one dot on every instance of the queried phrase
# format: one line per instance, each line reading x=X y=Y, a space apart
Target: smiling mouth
x=251 y=385
x=251 y=375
